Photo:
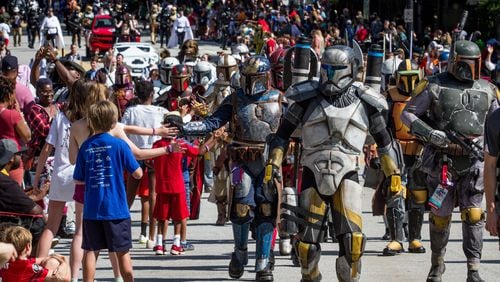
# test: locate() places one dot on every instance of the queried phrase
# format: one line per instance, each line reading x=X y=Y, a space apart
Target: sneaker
x=176 y=250
x=143 y=239
x=187 y=247
x=150 y=244
x=158 y=249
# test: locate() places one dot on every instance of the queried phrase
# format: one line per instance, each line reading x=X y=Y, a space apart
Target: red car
x=102 y=35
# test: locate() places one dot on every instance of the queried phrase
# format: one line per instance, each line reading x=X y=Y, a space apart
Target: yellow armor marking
x=420 y=87
x=303 y=251
x=472 y=215
x=396 y=186
x=388 y=165
x=350 y=215
x=419 y=196
x=318 y=206
x=441 y=222
x=357 y=246
x=498 y=94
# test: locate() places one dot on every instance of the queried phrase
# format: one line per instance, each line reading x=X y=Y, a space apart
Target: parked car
x=101 y=36
x=138 y=56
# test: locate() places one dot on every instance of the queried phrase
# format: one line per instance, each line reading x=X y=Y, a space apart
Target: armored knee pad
x=472 y=215
x=241 y=213
x=309 y=255
x=418 y=197
x=349 y=265
x=441 y=223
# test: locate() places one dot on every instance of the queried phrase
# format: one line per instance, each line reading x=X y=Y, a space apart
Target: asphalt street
x=213 y=244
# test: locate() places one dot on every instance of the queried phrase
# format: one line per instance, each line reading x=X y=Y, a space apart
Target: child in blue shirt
x=100 y=164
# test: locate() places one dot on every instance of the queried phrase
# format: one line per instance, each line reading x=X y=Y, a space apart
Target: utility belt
x=245 y=153
x=411 y=147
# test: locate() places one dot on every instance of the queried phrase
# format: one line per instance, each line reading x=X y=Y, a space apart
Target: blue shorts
x=114 y=235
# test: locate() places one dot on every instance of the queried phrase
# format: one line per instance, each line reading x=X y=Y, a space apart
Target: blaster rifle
x=468 y=145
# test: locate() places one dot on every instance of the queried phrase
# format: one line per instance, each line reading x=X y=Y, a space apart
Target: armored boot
x=415 y=221
x=221 y=214
x=437 y=268
x=239 y=259
x=439 y=227
x=285 y=245
x=472 y=243
x=348 y=265
x=308 y=255
x=395 y=222
x=265 y=272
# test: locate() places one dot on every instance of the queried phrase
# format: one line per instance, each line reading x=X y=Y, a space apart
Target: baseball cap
x=9 y=63
x=7 y=149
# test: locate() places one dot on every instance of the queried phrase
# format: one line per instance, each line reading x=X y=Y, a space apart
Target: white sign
x=408 y=15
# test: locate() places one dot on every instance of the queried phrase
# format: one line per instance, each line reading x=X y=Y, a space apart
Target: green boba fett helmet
x=465 y=61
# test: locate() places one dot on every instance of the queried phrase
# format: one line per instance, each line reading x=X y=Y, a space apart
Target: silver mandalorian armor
x=253 y=112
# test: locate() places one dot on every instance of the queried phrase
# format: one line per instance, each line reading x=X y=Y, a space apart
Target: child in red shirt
x=170 y=190
x=26 y=268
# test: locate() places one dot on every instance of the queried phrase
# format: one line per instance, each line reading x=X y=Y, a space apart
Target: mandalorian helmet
x=407 y=76
x=122 y=76
x=443 y=58
x=226 y=68
x=338 y=70
x=240 y=52
x=465 y=61
x=166 y=67
x=277 y=66
x=202 y=73
x=180 y=77
x=254 y=78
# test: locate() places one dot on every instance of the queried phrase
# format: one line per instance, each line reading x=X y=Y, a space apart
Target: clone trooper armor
x=456 y=101
x=408 y=76
x=336 y=115
x=253 y=112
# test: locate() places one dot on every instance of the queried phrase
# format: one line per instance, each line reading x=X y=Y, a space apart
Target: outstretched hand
x=167 y=131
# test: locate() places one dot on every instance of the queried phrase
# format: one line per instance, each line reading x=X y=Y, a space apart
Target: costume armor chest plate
x=461 y=110
x=342 y=128
x=256 y=117
x=332 y=140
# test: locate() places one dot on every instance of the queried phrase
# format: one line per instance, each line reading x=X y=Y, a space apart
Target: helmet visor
x=254 y=84
x=408 y=80
x=339 y=75
x=467 y=69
